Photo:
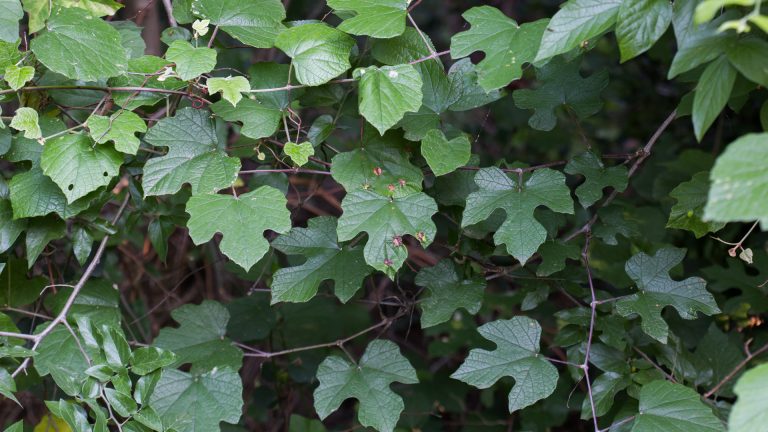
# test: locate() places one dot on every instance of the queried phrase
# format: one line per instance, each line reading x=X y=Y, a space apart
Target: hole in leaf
x=106 y=174
x=70 y=187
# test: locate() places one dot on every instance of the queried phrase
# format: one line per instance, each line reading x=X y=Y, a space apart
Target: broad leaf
x=98 y=52
x=697 y=44
x=748 y=413
x=77 y=166
x=200 y=338
x=326 y=260
x=16 y=289
x=387 y=220
x=688 y=212
x=640 y=24
x=666 y=406
x=299 y=153
x=35 y=194
x=712 y=93
x=241 y=221
x=230 y=88
x=16 y=76
x=10 y=229
x=254 y=22
x=596 y=177
x=376 y=18
x=387 y=93
x=120 y=128
x=562 y=84
x=516 y=355
x=191 y=62
x=747 y=57
x=554 y=256
x=521 y=232
x=193 y=156
x=576 y=22
x=40 y=10
x=10 y=14
x=657 y=290
x=507 y=45
x=447 y=293
x=259 y=119
x=320 y=53
x=445 y=156
x=368 y=382
x=26 y=120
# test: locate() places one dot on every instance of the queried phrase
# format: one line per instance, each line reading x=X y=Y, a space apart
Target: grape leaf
x=640 y=24
x=254 y=22
x=740 y=182
x=200 y=338
x=521 y=232
x=688 y=213
x=669 y=406
x=10 y=14
x=299 y=153
x=553 y=257
x=242 y=222
x=447 y=293
x=191 y=62
x=561 y=84
x=78 y=167
x=230 y=88
x=368 y=382
x=712 y=93
x=326 y=260
x=198 y=402
x=748 y=413
x=119 y=128
x=445 y=156
x=193 y=156
x=657 y=290
x=26 y=120
x=387 y=93
x=35 y=194
x=320 y=53
x=516 y=355
x=577 y=21
x=387 y=220
x=259 y=120
x=507 y=45
x=39 y=10
x=596 y=177
x=380 y=19
x=98 y=51
x=16 y=76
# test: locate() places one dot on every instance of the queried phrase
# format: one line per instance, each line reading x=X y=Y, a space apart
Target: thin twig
x=593 y=314
x=740 y=366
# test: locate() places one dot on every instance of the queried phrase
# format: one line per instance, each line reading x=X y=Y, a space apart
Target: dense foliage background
x=404 y=215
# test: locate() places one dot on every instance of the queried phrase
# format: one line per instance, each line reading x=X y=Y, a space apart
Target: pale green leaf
x=259 y=119
x=376 y=18
x=326 y=259
x=667 y=406
x=507 y=45
x=749 y=413
x=688 y=212
x=193 y=156
x=230 y=88
x=656 y=290
x=576 y=22
x=368 y=382
x=640 y=24
x=521 y=232
x=16 y=76
x=712 y=94
x=387 y=93
x=445 y=156
x=447 y=292
x=516 y=355
x=120 y=128
x=299 y=153
x=191 y=62
x=242 y=222
x=99 y=52
x=596 y=177
x=320 y=53
x=707 y=9
x=40 y=10
x=253 y=22
x=10 y=14
x=26 y=119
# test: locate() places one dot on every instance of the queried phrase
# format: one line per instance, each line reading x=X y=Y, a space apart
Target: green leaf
x=40 y=232
x=121 y=402
x=40 y=10
x=596 y=177
x=387 y=220
x=26 y=120
x=507 y=45
x=194 y=403
x=553 y=257
x=35 y=194
x=16 y=289
x=576 y=22
x=380 y=19
x=18 y=76
x=59 y=356
x=368 y=382
x=145 y=387
x=712 y=93
x=321 y=129
x=116 y=350
x=230 y=88
x=98 y=51
x=562 y=84
x=697 y=44
x=516 y=355
x=143 y=72
x=748 y=413
x=326 y=260
x=320 y=53
x=299 y=153
x=16 y=427
x=78 y=167
x=740 y=182
x=242 y=222
x=747 y=57
x=149 y=418
x=98 y=303
x=119 y=128
x=10 y=14
x=387 y=93
x=8 y=386
x=259 y=120
x=657 y=290
x=466 y=93
x=253 y=22
x=130 y=37
x=640 y=24
x=521 y=232
x=148 y=359
x=604 y=391
x=199 y=339
x=688 y=212
x=668 y=406
x=191 y=62
x=10 y=228
x=193 y=157
x=447 y=293
x=444 y=156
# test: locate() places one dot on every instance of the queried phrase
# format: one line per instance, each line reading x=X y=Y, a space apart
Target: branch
x=740 y=366
x=107 y=89
x=593 y=313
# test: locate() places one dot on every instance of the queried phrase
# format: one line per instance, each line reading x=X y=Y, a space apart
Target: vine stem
x=286 y=171
x=108 y=90
x=592 y=317
x=740 y=366
x=62 y=316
